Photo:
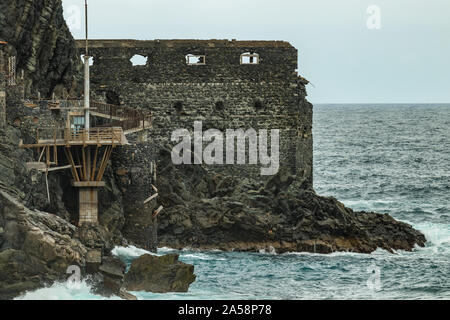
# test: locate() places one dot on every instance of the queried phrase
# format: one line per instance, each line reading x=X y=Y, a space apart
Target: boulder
x=159 y=274
x=112 y=270
x=37 y=248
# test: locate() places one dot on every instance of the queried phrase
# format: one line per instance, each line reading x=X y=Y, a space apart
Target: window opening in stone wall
x=220 y=105
x=258 y=104
x=178 y=106
x=249 y=58
x=192 y=59
x=138 y=60
x=91 y=60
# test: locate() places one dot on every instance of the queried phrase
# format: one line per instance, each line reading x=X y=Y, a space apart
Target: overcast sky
x=406 y=60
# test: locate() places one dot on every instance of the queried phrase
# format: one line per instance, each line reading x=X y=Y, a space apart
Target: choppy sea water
x=384 y=158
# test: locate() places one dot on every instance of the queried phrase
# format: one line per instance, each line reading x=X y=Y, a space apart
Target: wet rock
x=247 y=215
x=37 y=248
x=112 y=269
x=159 y=274
x=93 y=261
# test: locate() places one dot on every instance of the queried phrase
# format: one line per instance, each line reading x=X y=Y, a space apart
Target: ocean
x=387 y=158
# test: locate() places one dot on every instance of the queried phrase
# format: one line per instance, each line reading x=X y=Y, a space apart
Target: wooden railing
x=113 y=134
x=125 y=117
x=120 y=116
x=98 y=135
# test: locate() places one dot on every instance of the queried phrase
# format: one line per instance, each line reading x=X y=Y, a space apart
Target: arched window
x=138 y=60
x=249 y=58
x=195 y=59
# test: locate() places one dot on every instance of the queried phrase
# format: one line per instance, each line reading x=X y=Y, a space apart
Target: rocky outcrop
x=38 y=35
x=112 y=270
x=36 y=248
x=159 y=274
x=207 y=210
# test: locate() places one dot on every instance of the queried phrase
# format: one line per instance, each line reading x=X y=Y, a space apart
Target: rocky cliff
x=35 y=247
x=38 y=35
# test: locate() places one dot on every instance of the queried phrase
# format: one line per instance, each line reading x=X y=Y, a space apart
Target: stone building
x=225 y=84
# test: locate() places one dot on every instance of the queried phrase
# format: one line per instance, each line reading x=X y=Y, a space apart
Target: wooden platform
x=108 y=136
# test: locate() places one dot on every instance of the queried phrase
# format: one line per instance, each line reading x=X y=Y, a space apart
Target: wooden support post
x=47 y=155
x=157 y=211
x=88 y=163
x=46 y=184
x=42 y=154
x=80 y=166
x=150 y=198
x=55 y=149
x=84 y=163
x=95 y=164
x=55 y=155
x=72 y=163
x=104 y=163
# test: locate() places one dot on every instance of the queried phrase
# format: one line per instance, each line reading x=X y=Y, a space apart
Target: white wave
x=130 y=252
x=201 y=256
x=437 y=234
x=270 y=250
x=166 y=249
x=63 y=291
x=377 y=252
x=367 y=204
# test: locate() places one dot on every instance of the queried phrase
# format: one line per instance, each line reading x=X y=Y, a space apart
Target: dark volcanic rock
x=159 y=274
x=113 y=270
x=45 y=49
x=203 y=209
x=36 y=249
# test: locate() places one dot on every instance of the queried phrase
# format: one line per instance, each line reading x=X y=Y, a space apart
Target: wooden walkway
x=112 y=136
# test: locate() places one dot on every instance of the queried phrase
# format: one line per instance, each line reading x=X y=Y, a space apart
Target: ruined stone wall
x=222 y=93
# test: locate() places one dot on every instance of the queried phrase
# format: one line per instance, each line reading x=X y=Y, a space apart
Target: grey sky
x=407 y=60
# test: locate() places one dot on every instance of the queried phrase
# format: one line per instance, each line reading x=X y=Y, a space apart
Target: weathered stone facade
x=2 y=101
x=2 y=88
x=222 y=92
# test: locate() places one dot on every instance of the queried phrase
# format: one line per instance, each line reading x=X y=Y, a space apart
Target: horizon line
x=316 y=103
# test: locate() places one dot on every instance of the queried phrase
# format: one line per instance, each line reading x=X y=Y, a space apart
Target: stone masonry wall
x=223 y=93
x=2 y=88
x=2 y=101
